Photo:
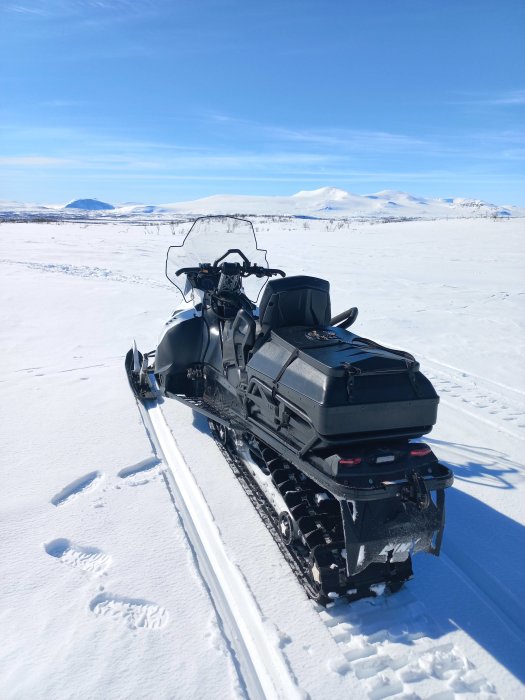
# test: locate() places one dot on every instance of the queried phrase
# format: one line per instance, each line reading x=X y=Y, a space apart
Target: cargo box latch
x=351 y=373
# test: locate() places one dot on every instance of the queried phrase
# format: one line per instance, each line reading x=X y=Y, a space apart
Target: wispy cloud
x=514 y=154
x=25 y=10
x=35 y=161
x=251 y=152
x=231 y=167
x=349 y=139
x=500 y=99
x=361 y=146
x=512 y=137
x=82 y=8
x=517 y=97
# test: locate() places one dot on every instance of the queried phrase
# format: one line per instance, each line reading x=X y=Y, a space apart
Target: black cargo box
x=340 y=385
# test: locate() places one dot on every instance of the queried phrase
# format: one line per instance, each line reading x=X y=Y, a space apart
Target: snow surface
x=102 y=591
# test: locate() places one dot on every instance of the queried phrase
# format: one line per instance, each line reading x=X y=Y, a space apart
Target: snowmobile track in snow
x=480 y=398
x=262 y=668
x=86 y=271
x=397 y=659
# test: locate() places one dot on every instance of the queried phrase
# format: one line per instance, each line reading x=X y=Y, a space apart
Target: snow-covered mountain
x=326 y=202
x=89 y=205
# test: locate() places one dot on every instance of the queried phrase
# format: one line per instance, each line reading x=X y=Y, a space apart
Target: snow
x=102 y=591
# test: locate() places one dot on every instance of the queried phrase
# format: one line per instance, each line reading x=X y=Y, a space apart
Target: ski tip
x=136 y=358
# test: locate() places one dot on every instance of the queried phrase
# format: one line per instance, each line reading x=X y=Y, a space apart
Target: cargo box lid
x=334 y=350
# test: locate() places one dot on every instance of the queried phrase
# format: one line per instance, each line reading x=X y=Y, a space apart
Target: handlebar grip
x=185 y=270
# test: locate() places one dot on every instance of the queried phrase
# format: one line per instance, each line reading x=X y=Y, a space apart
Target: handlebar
x=266 y=272
x=187 y=271
x=245 y=270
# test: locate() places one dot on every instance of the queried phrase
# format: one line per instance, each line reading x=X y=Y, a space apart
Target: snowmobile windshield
x=208 y=240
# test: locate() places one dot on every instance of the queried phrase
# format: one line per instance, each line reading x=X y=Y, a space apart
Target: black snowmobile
x=320 y=425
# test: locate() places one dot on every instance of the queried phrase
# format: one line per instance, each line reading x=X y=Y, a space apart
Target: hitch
x=416 y=491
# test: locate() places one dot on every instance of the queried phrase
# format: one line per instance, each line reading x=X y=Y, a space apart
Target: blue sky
x=161 y=101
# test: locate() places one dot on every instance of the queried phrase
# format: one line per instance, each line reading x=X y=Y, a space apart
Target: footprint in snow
x=89 y=559
x=139 y=470
x=134 y=613
x=85 y=483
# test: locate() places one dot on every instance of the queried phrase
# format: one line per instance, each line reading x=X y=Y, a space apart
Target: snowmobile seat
x=295 y=301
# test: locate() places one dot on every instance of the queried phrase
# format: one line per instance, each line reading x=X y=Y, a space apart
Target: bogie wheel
x=286 y=529
x=221 y=431
x=314 y=591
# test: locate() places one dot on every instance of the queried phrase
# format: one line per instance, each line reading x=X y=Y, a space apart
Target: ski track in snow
x=86 y=271
x=89 y=559
x=476 y=397
x=134 y=613
x=393 y=657
x=85 y=483
x=497 y=386
x=492 y=592
x=263 y=669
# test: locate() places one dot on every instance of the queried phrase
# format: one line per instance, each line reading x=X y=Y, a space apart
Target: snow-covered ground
x=104 y=592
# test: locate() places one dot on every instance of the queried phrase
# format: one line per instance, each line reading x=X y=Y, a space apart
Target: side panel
x=182 y=346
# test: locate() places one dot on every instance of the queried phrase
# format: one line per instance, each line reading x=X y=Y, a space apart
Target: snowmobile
x=321 y=426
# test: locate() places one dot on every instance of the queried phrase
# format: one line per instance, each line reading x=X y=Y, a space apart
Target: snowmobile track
x=266 y=513
x=261 y=667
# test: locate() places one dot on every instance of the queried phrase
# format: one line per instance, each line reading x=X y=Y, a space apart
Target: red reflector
x=420 y=452
x=351 y=461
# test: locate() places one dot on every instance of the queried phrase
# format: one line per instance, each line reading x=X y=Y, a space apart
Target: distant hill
x=89 y=205
x=334 y=202
x=322 y=203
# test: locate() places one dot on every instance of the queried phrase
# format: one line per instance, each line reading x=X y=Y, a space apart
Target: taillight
x=420 y=451
x=350 y=461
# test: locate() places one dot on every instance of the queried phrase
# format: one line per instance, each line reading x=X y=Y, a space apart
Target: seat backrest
x=295 y=301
